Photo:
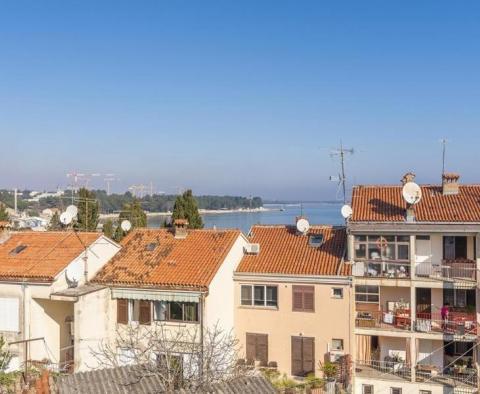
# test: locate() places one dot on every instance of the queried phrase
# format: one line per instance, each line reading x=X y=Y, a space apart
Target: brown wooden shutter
x=122 y=311
x=145 y=312
x=297 y=298
x=297 y=363
x=309 y=299
x=251 y=346
x=262 y=347
x=308 y=355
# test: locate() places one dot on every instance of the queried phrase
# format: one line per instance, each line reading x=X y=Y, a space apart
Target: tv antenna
x=341 y=152
x=444 y=149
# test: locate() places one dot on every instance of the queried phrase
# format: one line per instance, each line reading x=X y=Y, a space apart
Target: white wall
x=430 y=352
x=383 y=386
x=390 y=346
x=220 y=302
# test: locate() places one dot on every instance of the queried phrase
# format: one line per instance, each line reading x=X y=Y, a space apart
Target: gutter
x=284 y=278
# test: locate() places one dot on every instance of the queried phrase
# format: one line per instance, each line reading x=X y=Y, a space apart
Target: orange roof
x=45 y=254
x=385 y=204
x=283 y=251
x=154 y=258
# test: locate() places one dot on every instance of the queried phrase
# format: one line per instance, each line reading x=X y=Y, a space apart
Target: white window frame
x=252 y=303
x=341 y=348
x=336 y=296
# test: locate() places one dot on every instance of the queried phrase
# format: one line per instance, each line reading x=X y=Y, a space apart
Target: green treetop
x=55 y=224
x=87 y=219
x=186 y=208
x=134 y=213
x=3 y=213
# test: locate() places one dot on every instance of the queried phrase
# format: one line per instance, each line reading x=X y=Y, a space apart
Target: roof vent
x=180 y=228
x=252 y=248
x=17 y=250
x=450 y=183
x=315 y=240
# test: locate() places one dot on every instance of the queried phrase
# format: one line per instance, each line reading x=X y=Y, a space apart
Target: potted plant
x=329 y=371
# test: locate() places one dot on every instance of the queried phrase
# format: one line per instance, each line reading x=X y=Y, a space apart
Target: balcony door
x=424 y=300
x=454 y=248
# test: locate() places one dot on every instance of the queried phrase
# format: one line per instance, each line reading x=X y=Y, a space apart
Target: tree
x=134 y=213
x=5 y=355
x=87 y=219
x=55 y=224
x=3 y=213
x=182 y=359
x=186 y=208
x=108 y=228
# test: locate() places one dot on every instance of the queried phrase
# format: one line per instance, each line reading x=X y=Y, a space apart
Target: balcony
x=449 y=270
x=463 y=378
x=389 y=370
x=400 y=319
x=458 y=323
x=382 y=269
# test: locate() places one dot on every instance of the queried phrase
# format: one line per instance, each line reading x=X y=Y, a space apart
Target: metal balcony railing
x=457 y=323
x=383 y=369
x=465 y=270
x=382 y=269
x=400 y=319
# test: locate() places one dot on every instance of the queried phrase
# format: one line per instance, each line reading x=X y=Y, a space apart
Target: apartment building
x=35 y=269
x=292 y=298
x=176 y=279
x=416 y=291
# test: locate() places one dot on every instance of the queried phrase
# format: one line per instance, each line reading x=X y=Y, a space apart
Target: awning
x=152 y=295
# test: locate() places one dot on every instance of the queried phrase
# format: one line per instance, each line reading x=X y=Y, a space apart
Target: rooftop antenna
x=444 y=148
x=341 y=153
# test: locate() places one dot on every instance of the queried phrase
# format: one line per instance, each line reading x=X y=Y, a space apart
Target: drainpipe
x=202 y=310
x=85 y=266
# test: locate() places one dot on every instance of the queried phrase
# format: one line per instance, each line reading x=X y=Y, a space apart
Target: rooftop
x=40 y=256
x=284 y=251
x=155 y=258
x=384 y=203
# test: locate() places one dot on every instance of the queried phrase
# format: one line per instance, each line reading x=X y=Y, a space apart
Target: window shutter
x=297 y=363
x=309 y=299
x=297 y=301
x=262 y=347
x=145 y=312
x=308 y=355
x=122 y=311
x=251 y=346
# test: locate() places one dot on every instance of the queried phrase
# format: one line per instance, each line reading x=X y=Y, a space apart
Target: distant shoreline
x=201 y=211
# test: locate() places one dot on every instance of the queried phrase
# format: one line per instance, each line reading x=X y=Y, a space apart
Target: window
x=303 y=356
x=175 y=311
x=129 y=311
x=303 y=298
x=454 y=248
x=257 y=347
x=423 y=237
x=382 y=247
x=9 y=314
x=366 y=294
x=425 y=392
x=262 y=295
x=337 y=292
x=395 y=390
x=316 y=240
x=367 y=389
x=337 y=344
x=17 y=250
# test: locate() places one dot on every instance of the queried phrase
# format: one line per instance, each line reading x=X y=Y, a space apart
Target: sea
x=315 y=212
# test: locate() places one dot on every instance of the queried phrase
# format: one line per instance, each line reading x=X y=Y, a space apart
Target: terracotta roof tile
x=154 y=258
x=46 y=254
x=379 y=203
x=283 y=251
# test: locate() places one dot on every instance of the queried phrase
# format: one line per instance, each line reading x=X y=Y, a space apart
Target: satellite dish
x=126 y=225
x=303 y=225
x=346 y=211
x=65 y=218
x=72 y=210
x=72 y=275
x=411 y=193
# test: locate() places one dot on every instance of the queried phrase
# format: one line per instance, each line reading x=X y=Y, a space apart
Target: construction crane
x=109 y=178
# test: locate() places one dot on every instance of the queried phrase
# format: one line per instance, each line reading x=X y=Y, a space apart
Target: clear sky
x=238 y=97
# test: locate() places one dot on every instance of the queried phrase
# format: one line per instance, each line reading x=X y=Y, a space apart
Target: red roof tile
x=46 y=254
x=283 y=251
x=191 y=262
x=385 y=204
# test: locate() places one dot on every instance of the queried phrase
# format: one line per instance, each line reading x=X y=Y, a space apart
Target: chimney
x=4 y=231
x=180 y=228
x=408 y=177
x=450 y=183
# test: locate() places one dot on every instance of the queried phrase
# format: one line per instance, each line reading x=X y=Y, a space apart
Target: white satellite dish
x=303 y=225
x=72 y=275
x=65 y=218
x=412 y=193
x=346 y=211
x=126 y=225
x=72 y=210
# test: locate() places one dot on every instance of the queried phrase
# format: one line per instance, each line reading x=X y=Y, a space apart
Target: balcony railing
x=448 y=270
x=383 y=369
x=382 y=269
x=455 y=377
x=401 y=319
x=457 y=323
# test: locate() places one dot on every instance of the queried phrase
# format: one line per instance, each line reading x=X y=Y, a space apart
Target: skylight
x=316 y=240
x=17 y=250
x=151 y=246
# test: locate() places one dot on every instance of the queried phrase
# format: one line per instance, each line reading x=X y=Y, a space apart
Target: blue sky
x=237 y=97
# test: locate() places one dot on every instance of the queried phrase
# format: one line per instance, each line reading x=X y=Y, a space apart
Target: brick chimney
x=180 y=228
x=450 y=183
